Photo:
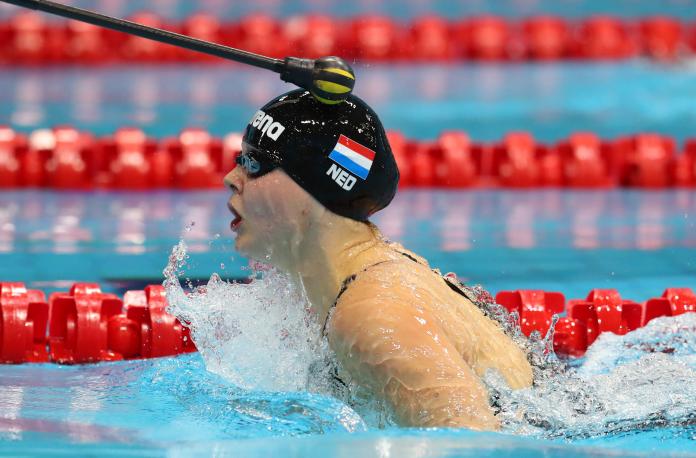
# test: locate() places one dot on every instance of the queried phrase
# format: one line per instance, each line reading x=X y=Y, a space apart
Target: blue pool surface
x=173 y=406
x=637 y=242
x=487 y=101
x=569 y=241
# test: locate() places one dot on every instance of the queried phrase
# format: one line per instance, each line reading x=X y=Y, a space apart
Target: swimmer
x=309 y=177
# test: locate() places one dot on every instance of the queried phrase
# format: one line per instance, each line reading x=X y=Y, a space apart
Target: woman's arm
x=397 y=349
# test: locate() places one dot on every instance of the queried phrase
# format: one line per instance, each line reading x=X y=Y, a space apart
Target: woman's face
x=269 y=214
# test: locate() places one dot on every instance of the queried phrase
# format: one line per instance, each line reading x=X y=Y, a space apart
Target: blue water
x=573 y=241
x=487 y=101
x=174 y=406
x=637 y=242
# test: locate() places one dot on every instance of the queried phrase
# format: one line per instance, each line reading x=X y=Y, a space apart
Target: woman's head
x=337 y=153
x=300 y=158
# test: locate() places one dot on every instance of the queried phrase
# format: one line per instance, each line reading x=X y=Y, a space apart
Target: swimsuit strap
x=344 y=287
x=449 y=279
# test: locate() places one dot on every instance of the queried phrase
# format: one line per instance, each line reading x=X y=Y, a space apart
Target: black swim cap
x=337 y=153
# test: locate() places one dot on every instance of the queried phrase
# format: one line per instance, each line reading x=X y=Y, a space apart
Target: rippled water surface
x=254 y=379
x=252 y=390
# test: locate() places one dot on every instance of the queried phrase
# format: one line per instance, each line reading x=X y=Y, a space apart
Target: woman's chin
x=241 y=245
x=244 y=245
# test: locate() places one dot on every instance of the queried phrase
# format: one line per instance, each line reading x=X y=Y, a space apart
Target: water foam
x=259 y=335
x=642 y=380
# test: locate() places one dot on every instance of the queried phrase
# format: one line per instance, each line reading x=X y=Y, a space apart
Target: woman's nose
x=235 y=180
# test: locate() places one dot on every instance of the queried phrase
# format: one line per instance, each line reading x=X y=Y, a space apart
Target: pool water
x=174 y=406
x=568 y=241
x=485 y=100
x=637 y=242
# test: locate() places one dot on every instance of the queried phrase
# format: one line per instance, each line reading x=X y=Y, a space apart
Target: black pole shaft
x=152 y=33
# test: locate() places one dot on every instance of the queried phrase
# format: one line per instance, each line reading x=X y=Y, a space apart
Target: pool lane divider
x=85 y=325
x=32 y=40
x=330 y=79
x=583 y=320
x=67 y=158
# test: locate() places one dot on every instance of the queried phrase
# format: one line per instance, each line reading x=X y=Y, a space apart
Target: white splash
x=671 y=336
x=259 y=335
x=644 y=379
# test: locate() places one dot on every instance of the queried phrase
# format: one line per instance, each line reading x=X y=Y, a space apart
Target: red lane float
x=546 y=38
x=60 y=158
x=456 y=167
x=428 y=39
x=126 y=160
x=674 y=301
x=65 y=158
x=160 y=334
x=29 y=39
x=261 y=34
x=23 y=318
x=605 y=311
x=314 y=36
x=193 y=153
x=683 y=170
x=204 y=27
x=86 y=325
x=535 y=307
x=585 y=319
x=604 y=38
x=10 y=145
x=85 y=43
x=485 y=38
x=661 y=37
x=583 y=164
x=78 y=325
x=515 y=161
x=129 y=48
x=644 y=160
x=374 y=38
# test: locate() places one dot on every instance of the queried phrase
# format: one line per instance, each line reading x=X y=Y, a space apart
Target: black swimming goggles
x=256 y=163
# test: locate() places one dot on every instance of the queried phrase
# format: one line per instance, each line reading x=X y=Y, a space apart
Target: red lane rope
x=66 y=158
x=85 y=325
x=29 y=39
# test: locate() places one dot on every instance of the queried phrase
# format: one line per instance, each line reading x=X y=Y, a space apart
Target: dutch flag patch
x=352 y=156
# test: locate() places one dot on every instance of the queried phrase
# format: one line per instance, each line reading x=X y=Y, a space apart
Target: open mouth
x=237 y=220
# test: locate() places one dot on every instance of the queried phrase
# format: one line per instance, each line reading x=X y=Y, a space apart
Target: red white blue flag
x=353 y=156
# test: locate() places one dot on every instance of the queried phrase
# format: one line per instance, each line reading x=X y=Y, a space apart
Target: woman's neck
x=330 y=252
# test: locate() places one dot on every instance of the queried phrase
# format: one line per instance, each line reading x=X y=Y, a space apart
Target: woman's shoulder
x=396 y=281
x=402 y=252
